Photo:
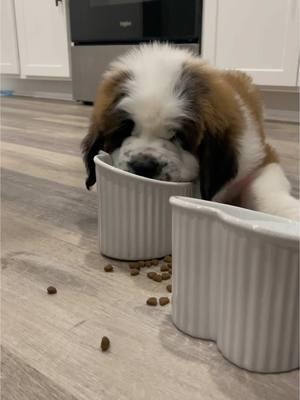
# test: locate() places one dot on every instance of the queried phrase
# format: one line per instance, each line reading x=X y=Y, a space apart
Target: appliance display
x=102 y=30
x=132 y=21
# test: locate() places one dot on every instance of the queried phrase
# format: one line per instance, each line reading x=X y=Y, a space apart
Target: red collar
x=235 y=188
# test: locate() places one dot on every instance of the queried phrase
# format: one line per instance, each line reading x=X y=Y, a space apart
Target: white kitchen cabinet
x=260 y=37
x=42 y=38
x=9 y=58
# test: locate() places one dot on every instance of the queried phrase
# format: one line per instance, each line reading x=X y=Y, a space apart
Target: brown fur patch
x=219 y=110
x=244 y=87
x=271 y=155
x=109 y=91
x=103 y=119
x=219 y=123
x=250 y=96
x=218 y=113
x=220 y=116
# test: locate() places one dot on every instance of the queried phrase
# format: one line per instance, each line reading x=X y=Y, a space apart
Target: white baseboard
x=45 y=95
x=47 y=89
x=282 y=116
x=279 y=105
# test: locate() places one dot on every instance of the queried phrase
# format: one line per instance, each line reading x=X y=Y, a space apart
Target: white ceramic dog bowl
x=236 y=281
x=134 y=213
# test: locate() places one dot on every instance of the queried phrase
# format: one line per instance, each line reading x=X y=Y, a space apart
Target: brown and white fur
x=166 y=114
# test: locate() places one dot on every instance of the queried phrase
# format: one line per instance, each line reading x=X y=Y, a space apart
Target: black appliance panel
x=130 y=21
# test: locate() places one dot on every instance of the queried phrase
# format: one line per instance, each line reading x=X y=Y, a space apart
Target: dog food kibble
x=165 y=275
x=134 y=265
x=105 y=343
x=163 y=301
x=157 y=278
x=154 y=262
x=134 y=272
x=108 y=268
x=169 y=288
x=152 y=301
x=168 y=259
x=148 y=264
x=164 y=268
x=141 y=264
x=151 y=274
x=51 y=290
x=170 y=265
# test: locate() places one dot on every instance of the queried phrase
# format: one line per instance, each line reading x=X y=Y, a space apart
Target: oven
x=101 y=30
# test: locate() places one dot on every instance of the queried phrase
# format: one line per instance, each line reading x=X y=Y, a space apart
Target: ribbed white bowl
x=134 y=213
x=236 y=281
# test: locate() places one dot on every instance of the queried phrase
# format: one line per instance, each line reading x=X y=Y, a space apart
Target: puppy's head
x=158 y=113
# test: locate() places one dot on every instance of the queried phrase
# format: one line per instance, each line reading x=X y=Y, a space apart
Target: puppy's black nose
x=145 y=166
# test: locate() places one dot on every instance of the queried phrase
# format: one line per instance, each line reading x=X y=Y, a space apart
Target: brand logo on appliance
x=125 y=24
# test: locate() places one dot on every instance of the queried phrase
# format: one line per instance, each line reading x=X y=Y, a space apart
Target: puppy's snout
x=145 y=166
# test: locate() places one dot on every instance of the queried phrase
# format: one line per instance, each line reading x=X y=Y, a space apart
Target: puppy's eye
x=114 y=139
x=180 y=138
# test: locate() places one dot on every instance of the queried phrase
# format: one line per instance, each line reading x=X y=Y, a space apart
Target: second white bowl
x=236 y=281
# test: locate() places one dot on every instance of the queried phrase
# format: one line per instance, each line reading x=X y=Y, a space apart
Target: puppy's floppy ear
x=103 y=120
x=90 y=147
x=218 y=125
x=218 y=163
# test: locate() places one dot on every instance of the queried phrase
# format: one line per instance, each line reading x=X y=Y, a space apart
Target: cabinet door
x=9 y=61
x=260 y=37
x=42 y=37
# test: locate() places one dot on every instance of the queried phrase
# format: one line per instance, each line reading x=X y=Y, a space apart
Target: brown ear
x=90 y=147
x=104 y=121
x=219 y=123
x=218 y=163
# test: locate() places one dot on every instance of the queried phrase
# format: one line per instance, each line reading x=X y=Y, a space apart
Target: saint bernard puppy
x=165 y=114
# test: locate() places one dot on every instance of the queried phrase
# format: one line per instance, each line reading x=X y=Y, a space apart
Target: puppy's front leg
x=269 y=192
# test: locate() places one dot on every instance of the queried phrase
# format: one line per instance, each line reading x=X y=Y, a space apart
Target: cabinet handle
x=57 y=2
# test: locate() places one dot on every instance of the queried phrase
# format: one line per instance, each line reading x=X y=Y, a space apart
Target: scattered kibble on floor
x=164 y=268
x=108 y=268
x=151 y=274
x=134 y=268
x=134 y=272
x=51 y=290
x=165 y=275
x=163 y=301
x=105 y=343
x=152 y=301
x=134 y=265
x=168 y=259
x=157 y=278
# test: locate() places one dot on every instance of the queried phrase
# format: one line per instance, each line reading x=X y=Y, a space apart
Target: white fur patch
x=270 y=193
x=178 y=165
x=251 y=148
x=153 y=101
x=156 y=104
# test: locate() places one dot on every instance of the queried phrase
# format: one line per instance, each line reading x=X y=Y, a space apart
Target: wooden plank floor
x=50 y=344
